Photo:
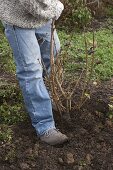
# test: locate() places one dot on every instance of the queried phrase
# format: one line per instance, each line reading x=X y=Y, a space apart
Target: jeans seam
x=26 y=82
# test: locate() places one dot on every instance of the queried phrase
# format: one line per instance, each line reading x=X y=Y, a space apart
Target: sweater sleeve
x=46 y=9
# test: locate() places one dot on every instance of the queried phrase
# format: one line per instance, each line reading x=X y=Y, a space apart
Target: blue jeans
x=29 y=47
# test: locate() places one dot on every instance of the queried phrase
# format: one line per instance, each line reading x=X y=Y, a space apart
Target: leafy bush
x=76 y=13
x=82 y=16
x=80 y=12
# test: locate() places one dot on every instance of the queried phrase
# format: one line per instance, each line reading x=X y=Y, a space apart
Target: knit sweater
x=29 y=13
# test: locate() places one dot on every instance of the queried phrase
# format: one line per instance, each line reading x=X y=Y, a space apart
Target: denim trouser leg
x=43 y=35
x=29 y=70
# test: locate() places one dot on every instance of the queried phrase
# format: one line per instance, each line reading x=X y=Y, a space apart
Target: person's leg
x=29 y=72
x=43 y=35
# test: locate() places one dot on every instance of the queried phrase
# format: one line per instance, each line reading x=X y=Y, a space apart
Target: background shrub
x=80 y=12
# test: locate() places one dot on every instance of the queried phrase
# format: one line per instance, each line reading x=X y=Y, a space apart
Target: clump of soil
x=90 y=146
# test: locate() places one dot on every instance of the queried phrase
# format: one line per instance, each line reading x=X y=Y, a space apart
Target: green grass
x=6 y=58
x=103 y=68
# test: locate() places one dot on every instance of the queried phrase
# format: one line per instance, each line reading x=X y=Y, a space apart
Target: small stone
x=83 y=131
x=109 y=123
x=97 y=129
x=80 y=167
x=75 y=167
x=24 y=166
x=70 y=158
x=99 y=114
x=60 y=160
x=95 y=83
x=33 y=164
x=36 y=149
x=12 y=167
x=88 y=158
x=71 y=135
x=29 y=151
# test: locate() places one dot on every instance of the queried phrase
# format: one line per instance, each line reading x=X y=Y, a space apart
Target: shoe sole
x=57 y=144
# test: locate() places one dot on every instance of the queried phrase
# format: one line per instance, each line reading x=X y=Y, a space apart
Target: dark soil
x=90 y=146
x=90 y=133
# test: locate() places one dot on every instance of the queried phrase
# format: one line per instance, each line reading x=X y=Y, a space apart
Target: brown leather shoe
x=54 y=137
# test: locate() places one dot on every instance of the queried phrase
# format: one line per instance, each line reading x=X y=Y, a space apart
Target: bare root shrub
x=63 y=86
